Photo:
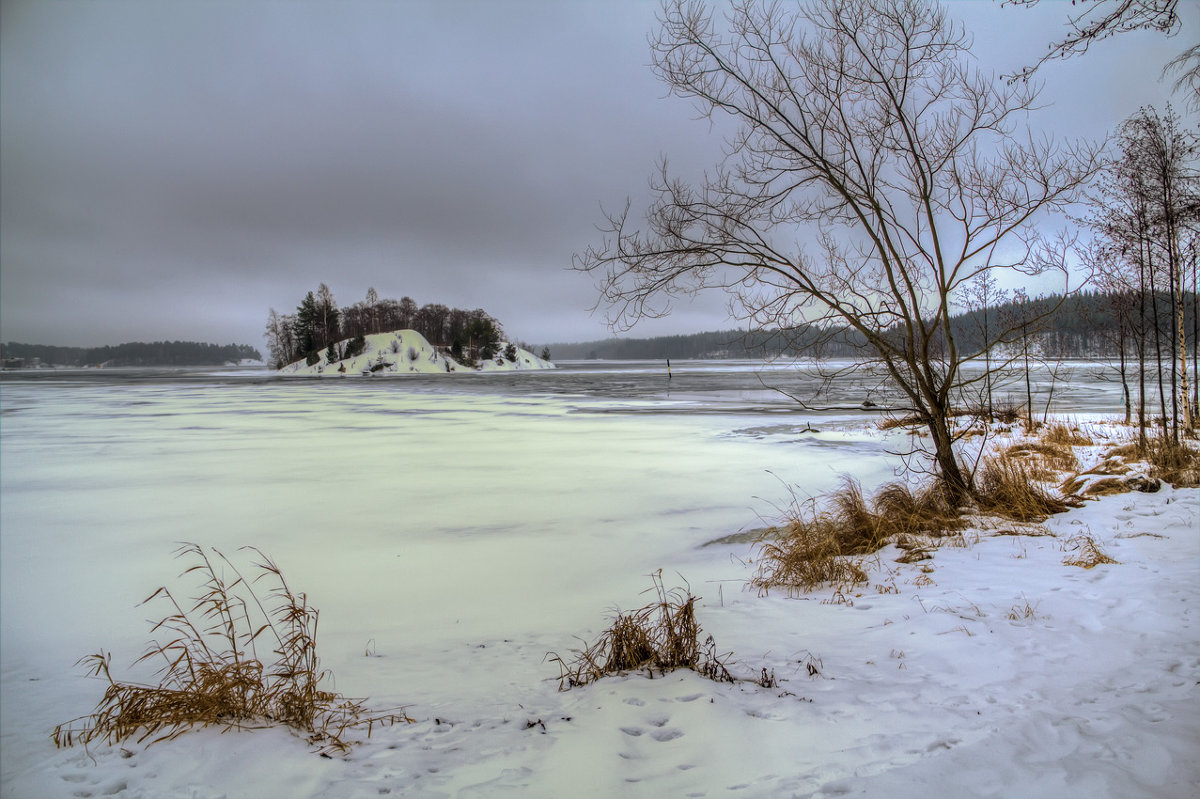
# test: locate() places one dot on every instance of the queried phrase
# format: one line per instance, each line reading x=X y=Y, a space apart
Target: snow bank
x=407 y=352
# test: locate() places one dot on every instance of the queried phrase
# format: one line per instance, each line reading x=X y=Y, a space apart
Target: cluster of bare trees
x=318 y=325
x=1146 y=251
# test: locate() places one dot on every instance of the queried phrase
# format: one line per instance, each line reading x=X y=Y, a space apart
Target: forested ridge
x=135 y=353
x=1084 y=325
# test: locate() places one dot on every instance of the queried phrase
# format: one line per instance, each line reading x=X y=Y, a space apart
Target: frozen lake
x=506 y=482
x=597 y=471
x=420 y=514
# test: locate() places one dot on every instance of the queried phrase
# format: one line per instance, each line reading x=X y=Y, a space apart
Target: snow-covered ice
x=452 y=533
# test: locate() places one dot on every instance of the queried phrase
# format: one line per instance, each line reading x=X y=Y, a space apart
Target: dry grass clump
x=806 y=557
x=818 y=548
x=662 y=635
x=1065 y=435
x=1010 y=488
x=1046 y=459
x=892 y=422
x=1103 y=487
x=212 y=672
x=1176 y=463
x=1088 y=554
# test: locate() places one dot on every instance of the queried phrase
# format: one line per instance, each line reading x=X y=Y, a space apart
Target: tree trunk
x=1185 y=411
x=1162 y=396
x=1141 y=354
x=1121 y=339
x=955 y=481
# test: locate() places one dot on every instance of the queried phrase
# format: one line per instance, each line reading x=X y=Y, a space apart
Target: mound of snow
x=407 y=352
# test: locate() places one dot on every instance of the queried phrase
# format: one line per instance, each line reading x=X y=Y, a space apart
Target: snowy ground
x=452 y=540
x=406 y=352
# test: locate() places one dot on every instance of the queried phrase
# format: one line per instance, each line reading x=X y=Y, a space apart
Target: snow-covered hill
x=407 y=352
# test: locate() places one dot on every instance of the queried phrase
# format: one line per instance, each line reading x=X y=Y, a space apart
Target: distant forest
x=158 y=353
x=1085 y=325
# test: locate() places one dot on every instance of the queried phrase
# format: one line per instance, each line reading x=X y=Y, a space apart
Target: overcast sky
x=170 y=169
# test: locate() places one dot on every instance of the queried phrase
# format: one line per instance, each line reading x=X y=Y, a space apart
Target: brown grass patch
x=1105 y=487
x=1065 y=435
x=892 y=422
x=662 y=635
x=1009 y=488
x=1177 y=464
x=1088 y=554
x=213 y=674
x=806 y=557
x=818 y=548
x=1046 y=459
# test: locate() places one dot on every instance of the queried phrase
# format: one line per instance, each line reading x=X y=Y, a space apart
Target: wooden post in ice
x=668 y=368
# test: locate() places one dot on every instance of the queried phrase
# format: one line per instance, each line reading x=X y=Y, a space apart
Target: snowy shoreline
x=994 y=669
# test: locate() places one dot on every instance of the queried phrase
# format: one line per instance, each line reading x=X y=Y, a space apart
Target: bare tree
x=1100 y=19
x=1186 y=68
x=1166 y=155
x=1144 y=207
x=328 y=329
x=866 y=125
x=280 y=338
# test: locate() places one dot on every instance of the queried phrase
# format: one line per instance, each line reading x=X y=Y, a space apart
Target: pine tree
x=305 y=328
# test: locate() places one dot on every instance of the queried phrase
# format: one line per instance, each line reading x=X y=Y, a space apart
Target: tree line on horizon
x=1085 y=325
x=135 y=353
x=319 y=325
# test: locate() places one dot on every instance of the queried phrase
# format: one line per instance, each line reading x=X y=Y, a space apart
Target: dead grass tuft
x=1046 y=459
x=1065 y=435
x=662 y=635
x=1176 y=463
x=806 y=557
x=820 y=548
x=1088 y=554
x=893 y=422
x=1104 y=487
x=1028 y=612
x=212 y=673
x=1010 y=488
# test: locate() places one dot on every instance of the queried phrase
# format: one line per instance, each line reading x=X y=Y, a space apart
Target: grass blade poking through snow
x=212 y=673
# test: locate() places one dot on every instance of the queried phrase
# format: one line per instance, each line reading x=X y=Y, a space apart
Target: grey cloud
x=173 y=169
